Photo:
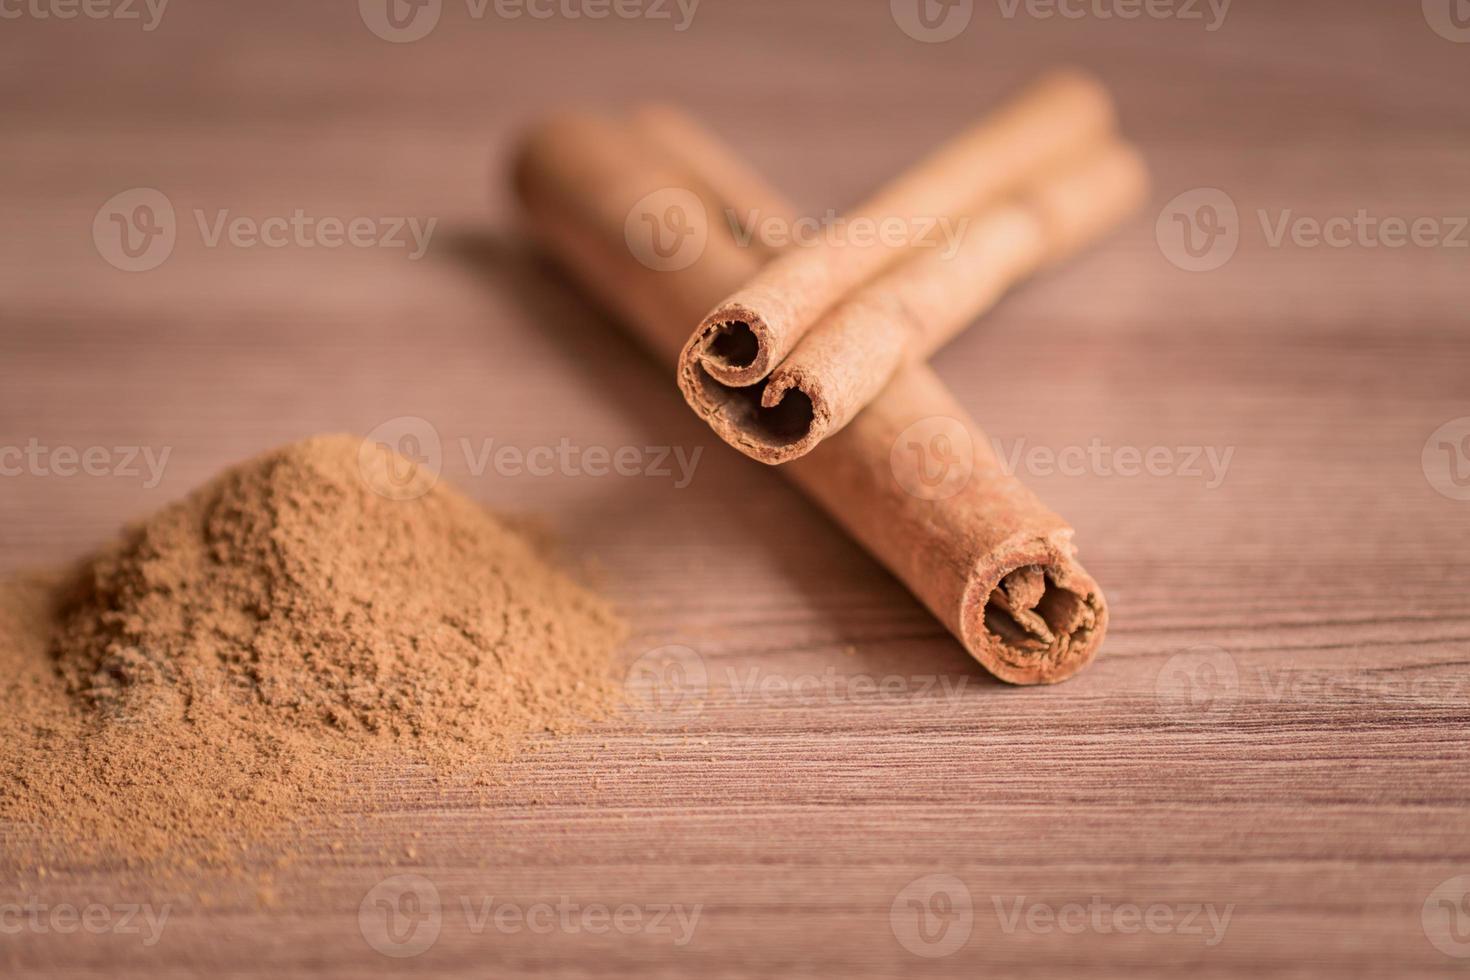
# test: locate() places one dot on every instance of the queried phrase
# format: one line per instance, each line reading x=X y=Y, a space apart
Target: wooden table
x=1264 y=773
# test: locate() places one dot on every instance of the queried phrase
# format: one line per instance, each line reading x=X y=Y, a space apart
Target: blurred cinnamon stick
x=911 y=477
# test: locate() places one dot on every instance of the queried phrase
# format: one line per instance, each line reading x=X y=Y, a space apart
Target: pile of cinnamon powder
x=223 y=670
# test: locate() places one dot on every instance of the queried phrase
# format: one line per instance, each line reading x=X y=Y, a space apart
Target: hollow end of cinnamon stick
x=1034 y=616
x=733 y=345
x=815 y=391
x=773 y=420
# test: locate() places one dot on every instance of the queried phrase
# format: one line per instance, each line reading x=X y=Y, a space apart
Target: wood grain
x=1277 y=724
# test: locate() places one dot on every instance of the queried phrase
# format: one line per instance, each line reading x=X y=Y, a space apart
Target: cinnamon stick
x=906 y=314
x=748 y=334
x=911 y=477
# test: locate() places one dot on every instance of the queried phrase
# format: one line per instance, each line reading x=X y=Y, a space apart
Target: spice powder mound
x=225 y=667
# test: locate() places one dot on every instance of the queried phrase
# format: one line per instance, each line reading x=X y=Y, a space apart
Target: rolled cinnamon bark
x=755 y=327
x=723 y=178
x=912 y=477
x=909 y=312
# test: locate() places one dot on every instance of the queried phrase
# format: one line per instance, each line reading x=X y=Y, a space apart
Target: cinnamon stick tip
x=1084 y=82
x=734 y=345
x=773 y=421
x=537 y=143
x=1039 y=618
x=725 y=373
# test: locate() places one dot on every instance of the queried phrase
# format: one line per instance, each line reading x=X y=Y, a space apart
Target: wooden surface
x=1277 y=725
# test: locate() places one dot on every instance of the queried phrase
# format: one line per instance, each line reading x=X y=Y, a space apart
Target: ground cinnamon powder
x=226 y=667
